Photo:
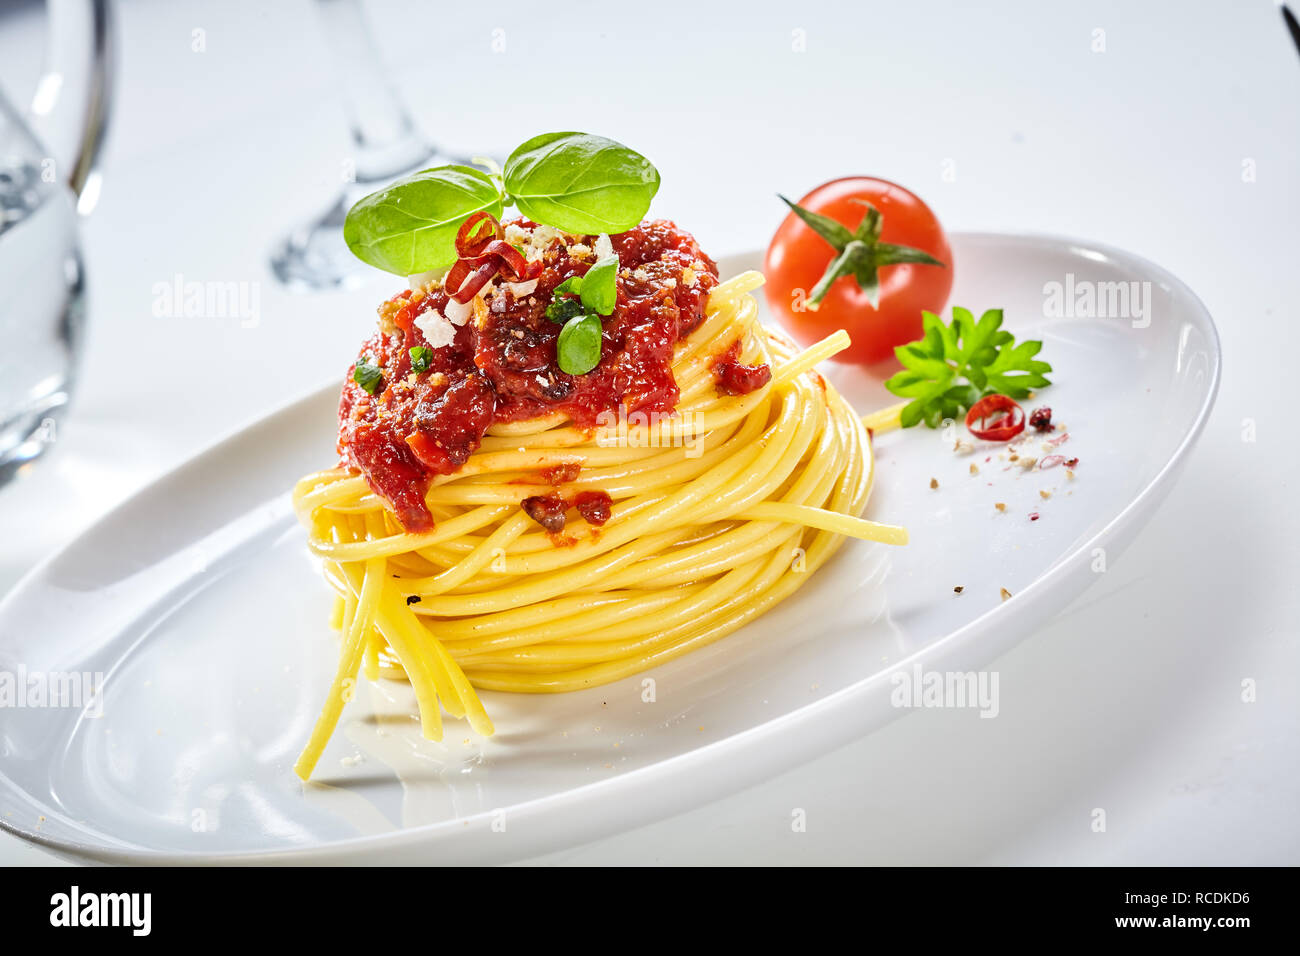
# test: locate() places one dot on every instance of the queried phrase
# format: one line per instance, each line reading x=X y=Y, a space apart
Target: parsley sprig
x=953 y=366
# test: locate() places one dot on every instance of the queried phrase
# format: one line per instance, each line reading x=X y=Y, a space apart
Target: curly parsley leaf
x=1015 y=372
x=952 y=366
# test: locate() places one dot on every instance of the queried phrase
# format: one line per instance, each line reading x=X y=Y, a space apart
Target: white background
x=1131 y=699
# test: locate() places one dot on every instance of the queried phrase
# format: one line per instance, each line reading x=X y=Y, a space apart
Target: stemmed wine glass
x=314 y=257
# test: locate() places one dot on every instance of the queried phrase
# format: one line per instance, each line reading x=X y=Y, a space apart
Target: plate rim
x=976 y=639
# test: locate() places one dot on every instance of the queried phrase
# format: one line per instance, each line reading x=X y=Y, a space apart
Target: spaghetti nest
x=719 y=512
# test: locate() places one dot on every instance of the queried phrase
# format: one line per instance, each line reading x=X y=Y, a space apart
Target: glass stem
x=386 y=138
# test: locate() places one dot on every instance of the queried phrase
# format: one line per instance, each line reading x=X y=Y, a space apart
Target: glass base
x=27 y=438
x=314 y=257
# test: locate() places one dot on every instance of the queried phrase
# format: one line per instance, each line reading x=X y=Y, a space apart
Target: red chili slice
x=512 y=261
x=995 y=418
x=466 y=283
x=483 y=251
x=475 y=233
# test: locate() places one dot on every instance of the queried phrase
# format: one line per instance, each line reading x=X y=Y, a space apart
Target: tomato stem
x=861 y=253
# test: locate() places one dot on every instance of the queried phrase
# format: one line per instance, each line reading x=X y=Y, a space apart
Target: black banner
x=321 y=905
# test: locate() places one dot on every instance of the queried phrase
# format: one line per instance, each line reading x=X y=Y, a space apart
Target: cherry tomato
x=798 y=257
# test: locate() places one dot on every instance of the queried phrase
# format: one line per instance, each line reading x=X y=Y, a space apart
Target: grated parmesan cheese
x=435 y=328
x=539 y=239
x=420 y=281
x=458 y=314
x=521 y=289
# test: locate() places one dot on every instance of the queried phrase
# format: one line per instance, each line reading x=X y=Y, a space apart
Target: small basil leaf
x=578 y=348
x=410 y=227
x=421 y=358
x=580 y=183
x=599 y=290
x=368 y=376
x=570 y=286
x=561 y=310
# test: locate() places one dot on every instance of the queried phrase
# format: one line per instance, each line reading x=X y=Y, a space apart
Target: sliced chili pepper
x=476 y=232
x=996 y=418
x=484 y=253
x=466 y=283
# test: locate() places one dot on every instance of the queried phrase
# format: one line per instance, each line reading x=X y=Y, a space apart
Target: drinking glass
x=47 y=167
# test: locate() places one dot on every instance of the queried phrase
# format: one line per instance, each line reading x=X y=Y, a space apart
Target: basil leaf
x=570 y=286
x=561 y=310
x=598 y=288
x=580 y=183
x=578 y=349
x=410 y=226
x=421 y=358
x=368 y=376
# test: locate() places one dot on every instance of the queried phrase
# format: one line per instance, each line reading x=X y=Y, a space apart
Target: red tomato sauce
x=736 y=378
x=594 y=506
x=501 y=366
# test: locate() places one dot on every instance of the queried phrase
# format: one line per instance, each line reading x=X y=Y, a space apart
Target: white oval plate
x=198 y=603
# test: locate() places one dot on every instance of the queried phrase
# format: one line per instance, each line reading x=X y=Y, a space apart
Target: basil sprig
x=597 y=291
x=578 y=303
x=575 y=182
